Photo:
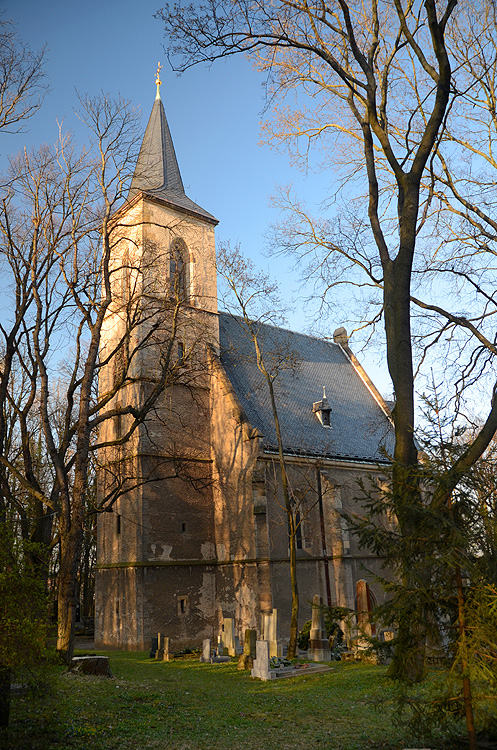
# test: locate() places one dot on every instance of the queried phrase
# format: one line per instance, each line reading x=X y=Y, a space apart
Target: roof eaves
x=273 y=450
x=177 y=207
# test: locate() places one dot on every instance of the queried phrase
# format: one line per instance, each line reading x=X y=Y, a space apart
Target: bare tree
x=22 y=86
x=86 y=319
x=252 y=296
x=382 y=77
x=22 y=79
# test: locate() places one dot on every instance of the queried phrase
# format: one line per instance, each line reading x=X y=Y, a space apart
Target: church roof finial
x=158 y=80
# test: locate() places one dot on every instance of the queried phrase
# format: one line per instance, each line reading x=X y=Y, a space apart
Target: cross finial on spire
x=158 y=80
x=324 y=392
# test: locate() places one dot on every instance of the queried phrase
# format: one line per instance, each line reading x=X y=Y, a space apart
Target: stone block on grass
x=93 y=665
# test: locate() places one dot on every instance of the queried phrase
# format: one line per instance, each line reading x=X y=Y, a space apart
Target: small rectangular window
x=181 y=355
x=118 y=524
x=118 y=424
x=183 y=605
x=183 y=527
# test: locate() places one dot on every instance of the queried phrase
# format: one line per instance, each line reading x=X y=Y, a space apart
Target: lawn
x=185 y=704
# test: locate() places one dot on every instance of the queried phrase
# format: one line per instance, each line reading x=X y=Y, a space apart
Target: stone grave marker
x=229 y=636
x=221 y=648
x=153 y=646
x=261 y=668
x=159 y=654
x=319 y=648
x=206 y=650
x=246 y=660
x=270 y=633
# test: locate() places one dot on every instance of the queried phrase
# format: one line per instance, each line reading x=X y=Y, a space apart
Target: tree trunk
x=70 y=546
x=409 y=658
x=292 y=644
x=5 y=681
x=66 y=613
x=466 y=682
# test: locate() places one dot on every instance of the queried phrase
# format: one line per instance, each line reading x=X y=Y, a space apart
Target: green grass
x=185 y=704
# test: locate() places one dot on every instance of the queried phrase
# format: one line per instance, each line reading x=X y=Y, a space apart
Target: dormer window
x=322 y=410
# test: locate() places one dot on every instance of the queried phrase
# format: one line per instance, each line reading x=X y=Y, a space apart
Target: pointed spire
x=157 y=172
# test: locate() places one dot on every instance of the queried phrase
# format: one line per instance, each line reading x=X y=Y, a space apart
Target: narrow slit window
x=181 y=354
x=118 y=424
x=118 y=524
x=177 y=269
x=183 y=605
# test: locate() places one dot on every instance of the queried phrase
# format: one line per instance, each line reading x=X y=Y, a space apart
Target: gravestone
x=153 y=646
x=159 y=654
x=270 y=633
x=221 y=648
x=168 y=656
x=206 y=650
x=261 y=668
x=319 y=648
x=229 y=636
x=246 y=660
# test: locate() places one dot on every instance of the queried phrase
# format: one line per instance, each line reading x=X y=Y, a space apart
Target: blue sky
x=214 y=115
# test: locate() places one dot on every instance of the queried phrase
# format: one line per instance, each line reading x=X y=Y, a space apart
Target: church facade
x=197 y=529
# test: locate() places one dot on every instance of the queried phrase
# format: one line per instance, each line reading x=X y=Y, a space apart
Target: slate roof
x=157 y=172
x=359 y=426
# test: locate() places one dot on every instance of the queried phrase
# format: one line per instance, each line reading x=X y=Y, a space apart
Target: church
x=197 y=529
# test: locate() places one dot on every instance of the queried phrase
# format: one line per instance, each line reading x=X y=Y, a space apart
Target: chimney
x=340 y=336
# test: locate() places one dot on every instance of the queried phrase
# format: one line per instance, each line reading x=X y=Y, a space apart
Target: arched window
x=178 y=269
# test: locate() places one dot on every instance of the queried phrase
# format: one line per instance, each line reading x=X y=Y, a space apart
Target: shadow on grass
x=186 y=704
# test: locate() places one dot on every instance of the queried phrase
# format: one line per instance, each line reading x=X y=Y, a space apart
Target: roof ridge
x=323 y=339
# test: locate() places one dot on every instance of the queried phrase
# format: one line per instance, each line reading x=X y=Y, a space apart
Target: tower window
x=177 y=269
x=119 y=366
x=183 y=527
x=183 y=605
x=181 y=354
x=118 y=423
x=118 y=524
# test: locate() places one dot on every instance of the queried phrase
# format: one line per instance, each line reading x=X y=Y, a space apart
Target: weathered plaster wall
x=241 y=586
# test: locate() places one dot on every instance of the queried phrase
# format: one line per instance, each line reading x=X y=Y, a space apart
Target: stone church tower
x=162 y=324
x=197 y=530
